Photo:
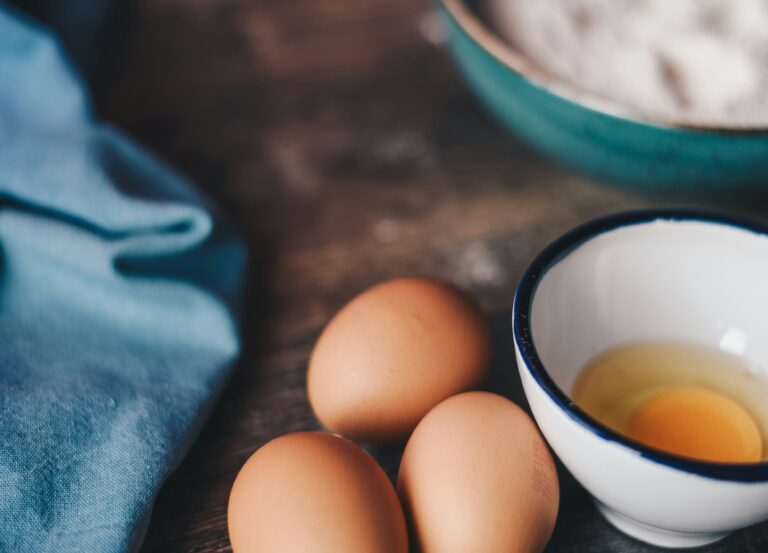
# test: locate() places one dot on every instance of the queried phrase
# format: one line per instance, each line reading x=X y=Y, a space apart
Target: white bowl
x=645 y=276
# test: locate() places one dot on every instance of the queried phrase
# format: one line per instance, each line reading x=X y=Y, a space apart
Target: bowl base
x=659 y=537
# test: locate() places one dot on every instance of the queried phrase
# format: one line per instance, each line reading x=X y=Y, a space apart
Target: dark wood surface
x=338 y=137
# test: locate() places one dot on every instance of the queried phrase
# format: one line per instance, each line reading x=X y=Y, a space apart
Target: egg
x=391 y=354
x=697 y=423
x=476 y=476
x=310 y=492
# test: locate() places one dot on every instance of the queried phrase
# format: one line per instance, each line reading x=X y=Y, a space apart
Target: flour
x=695 y=61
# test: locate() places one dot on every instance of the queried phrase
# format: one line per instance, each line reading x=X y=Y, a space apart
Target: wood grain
x=338 y=137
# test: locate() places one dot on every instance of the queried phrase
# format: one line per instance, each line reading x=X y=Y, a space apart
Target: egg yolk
x=697 y=423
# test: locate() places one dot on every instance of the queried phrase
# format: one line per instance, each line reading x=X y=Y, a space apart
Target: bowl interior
x=479 y=21
x=683 y=280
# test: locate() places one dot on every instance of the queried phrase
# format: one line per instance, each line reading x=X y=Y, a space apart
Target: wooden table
x=338 y=137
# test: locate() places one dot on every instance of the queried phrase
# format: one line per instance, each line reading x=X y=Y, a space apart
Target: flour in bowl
x=696 y=61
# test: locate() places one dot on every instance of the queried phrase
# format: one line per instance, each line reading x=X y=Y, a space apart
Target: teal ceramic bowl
x=603 y=139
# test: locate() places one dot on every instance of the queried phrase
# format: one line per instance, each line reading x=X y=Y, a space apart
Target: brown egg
x=391 y=354
x=476 y=476
x=310 y=492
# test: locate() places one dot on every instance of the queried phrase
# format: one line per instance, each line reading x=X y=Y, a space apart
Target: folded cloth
x=89 y=29
x=118 y=288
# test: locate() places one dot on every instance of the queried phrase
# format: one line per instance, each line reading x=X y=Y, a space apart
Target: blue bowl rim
x=526 y=291
x=472 y=25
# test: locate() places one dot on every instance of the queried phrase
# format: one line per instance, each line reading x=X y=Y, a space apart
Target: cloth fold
x=118 y=294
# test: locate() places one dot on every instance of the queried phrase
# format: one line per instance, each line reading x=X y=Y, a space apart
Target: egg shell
x=391 y=354
x=311 y=492
x=477 y=477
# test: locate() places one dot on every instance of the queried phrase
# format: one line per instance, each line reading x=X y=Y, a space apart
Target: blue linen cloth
x=118 y=292
x=88 y=29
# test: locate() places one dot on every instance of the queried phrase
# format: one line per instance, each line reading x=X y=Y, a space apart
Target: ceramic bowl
x=589 y=133
x=640 y=276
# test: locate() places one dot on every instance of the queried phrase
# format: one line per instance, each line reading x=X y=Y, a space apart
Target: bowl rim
x=521 y=324
x=466 y=18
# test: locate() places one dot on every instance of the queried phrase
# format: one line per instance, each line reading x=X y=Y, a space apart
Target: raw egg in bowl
x=642 y=344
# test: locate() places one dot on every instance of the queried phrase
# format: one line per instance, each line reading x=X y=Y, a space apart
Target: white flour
x=698 y=61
